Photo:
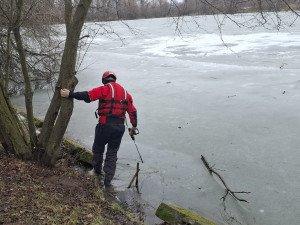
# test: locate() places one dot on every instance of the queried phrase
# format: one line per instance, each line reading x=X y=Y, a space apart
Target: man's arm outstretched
x=83 y=95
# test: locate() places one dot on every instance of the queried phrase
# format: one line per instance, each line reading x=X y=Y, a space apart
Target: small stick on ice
x=136 y=176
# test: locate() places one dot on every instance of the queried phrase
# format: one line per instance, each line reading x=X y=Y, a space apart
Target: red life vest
x=115 y=104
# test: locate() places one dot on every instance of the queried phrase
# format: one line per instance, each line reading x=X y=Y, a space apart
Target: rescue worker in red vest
x=114 y=102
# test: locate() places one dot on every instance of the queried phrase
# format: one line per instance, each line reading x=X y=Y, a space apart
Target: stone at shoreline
x=83 y=154
x=176 y=215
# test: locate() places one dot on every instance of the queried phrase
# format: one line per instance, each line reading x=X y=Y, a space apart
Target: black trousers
x=110 y=134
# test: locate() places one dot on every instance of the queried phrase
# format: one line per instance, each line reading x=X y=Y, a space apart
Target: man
x=114 y=102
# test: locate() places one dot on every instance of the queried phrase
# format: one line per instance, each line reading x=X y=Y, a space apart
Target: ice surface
x=234 y=100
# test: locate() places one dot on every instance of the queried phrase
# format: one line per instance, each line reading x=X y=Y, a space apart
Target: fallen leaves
x=33 y=194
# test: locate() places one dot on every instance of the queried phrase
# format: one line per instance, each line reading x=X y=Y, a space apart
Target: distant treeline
x=105 y=10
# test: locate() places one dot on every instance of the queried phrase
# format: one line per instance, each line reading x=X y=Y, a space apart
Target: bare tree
x=12 y=132
x=39 y=40
x=60 y=110
x=21 y=18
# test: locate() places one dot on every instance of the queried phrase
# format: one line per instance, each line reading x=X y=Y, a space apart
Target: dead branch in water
x=228 y=191
x=135 y=177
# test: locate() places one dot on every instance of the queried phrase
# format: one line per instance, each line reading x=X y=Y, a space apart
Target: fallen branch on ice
x=228 y=191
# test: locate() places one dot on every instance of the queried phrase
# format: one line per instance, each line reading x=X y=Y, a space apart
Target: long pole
x=132 y=137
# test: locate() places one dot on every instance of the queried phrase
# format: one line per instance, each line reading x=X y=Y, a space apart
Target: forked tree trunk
x=60 y=110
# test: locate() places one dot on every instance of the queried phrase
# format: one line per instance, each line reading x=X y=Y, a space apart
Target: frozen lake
x=238 y=105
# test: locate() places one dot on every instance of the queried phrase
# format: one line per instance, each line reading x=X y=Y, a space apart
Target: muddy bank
x=33 y=194
x=79 y=159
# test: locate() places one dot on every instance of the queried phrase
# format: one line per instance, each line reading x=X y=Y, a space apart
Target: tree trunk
x=5 y=142
x=8 y=60
x=2 y=82
x=60 y=110
x=28 y=90
x=11 y=134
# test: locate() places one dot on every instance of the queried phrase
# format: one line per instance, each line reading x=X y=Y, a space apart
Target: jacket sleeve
x=80 y=96
x=98 y=93
x=132 y=111
x=90 y=96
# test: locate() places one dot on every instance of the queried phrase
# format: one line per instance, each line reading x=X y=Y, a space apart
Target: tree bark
x=2 y=83
x=60 y=110
x=11 y=135
x=28 y=90
x=5 y=142
x=8 y=60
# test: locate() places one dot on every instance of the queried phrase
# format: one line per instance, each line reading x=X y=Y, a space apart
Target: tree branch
x=228 y=191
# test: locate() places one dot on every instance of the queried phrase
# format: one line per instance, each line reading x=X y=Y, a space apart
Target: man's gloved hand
x=132 y=131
